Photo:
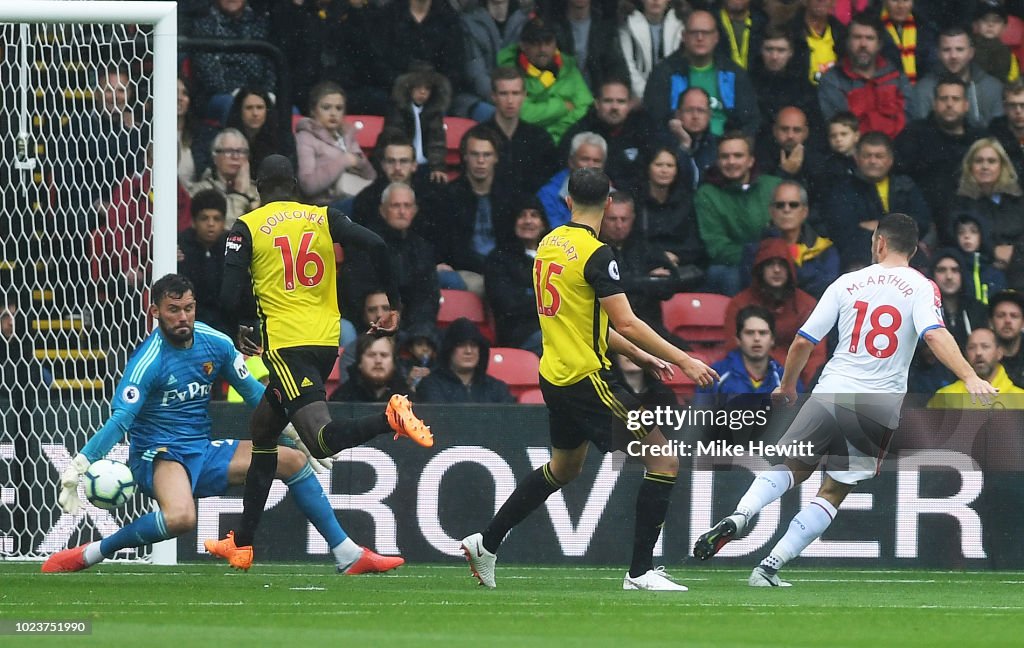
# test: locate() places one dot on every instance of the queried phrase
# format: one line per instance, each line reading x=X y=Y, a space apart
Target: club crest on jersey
x=207 y=368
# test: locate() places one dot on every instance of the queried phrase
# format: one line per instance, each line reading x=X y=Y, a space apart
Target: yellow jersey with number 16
x=294 y=276
x=573 y=269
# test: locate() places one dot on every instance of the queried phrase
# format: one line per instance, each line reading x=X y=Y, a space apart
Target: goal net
x=87 y=221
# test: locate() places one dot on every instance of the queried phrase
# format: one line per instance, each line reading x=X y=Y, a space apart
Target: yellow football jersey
x=294 y=275
x=573 y=269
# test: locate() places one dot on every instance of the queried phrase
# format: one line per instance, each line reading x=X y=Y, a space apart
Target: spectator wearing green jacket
x=556 y=93
x=732 y=210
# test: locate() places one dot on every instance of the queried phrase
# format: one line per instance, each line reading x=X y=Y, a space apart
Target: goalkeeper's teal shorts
x=206 y=463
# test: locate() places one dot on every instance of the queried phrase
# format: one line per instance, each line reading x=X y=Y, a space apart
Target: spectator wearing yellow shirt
x=985 y=355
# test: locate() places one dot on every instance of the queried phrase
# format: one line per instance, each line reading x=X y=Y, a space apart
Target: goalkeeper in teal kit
x=161 y=404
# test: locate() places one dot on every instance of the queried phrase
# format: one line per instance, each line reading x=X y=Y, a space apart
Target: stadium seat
x=682 y=386
x=518 y=368
x=368 y=128
x=296 y=118
x=531 y=397
x=454 y=129
x=698 y=318
x=462 y=303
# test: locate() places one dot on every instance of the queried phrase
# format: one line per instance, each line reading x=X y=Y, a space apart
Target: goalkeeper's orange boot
x=238 y=557
x=405 y=423
x=373 y=563
x=68 y=560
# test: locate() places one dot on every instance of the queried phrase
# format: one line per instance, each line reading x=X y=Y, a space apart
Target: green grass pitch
x=193 y=605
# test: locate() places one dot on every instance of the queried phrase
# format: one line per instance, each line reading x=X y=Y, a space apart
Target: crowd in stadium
x=752 y=145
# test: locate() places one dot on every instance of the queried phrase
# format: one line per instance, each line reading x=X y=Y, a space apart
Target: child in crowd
x=981 y=278
x=419 y=101
x=418 y=354
x=843 y=134
x=989 y=50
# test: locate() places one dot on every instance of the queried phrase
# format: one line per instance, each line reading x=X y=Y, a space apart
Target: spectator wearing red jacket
x=773 y=286
x=865 y=83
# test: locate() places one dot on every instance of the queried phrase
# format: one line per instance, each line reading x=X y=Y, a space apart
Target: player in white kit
x=854 y=409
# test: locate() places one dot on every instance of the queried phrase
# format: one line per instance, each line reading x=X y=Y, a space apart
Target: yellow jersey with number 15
x=294 y=276
x=573 y=269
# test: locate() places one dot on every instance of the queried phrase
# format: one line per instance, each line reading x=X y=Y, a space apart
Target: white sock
x=806 y=527
x=92 y=554
x=346 y=553
x=766 y=488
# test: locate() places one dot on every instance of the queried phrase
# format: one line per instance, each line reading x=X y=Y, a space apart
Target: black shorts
x=297 y=376
x=595 y=409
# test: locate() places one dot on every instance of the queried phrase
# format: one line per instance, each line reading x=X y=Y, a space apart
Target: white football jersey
x=882 y=313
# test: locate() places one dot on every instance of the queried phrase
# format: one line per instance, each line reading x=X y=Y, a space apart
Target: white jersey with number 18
x=882 y=312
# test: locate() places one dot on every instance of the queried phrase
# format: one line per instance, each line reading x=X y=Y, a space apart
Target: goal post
x=72 y=333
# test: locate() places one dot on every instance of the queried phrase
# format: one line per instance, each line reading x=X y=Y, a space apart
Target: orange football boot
x=238 y=557
x=68 y=560
x=405 y=423
x=373 y=563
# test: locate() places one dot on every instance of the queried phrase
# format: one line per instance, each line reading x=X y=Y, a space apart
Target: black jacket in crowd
x=627 y=146
x=443 y=386
x=205 y=268
x=528 y=159
x=413 y=266
x=508 y=280
x=933 y=158
x=853 y=200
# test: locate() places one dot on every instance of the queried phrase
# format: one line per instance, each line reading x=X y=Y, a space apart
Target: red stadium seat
x=368 y=128
x=462 y=303
x=516 y=367
x=531 y=397
x=296 y=118
x=681 y=385
x=454 y=129
x=696 y=317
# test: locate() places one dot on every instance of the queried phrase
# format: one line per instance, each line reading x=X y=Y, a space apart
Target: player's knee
x=565 y=472
x=180 y=519
x=289 y=462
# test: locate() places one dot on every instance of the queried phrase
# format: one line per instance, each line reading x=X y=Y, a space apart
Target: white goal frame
x=163 y=16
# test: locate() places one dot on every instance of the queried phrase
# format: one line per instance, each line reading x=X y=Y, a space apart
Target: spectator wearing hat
x=774 y=286
x=960 y=311
x=461 y=375
x=508 y=277
x=556 y=93
x=419 y=101
x=992 y=55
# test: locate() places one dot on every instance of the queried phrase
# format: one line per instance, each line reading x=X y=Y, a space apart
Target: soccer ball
x=109 y=484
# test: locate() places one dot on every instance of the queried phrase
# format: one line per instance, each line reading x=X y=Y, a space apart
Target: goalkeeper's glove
x=318 y=465
x=68 y=496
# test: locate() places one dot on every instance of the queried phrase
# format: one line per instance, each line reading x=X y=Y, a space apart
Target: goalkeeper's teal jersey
x=164 y=395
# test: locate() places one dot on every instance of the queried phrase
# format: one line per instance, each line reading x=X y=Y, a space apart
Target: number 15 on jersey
x=548 y=299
